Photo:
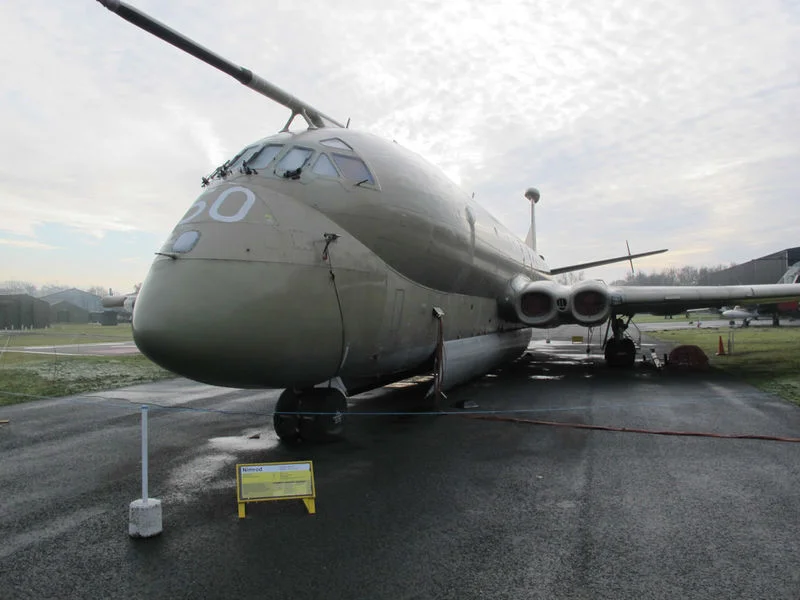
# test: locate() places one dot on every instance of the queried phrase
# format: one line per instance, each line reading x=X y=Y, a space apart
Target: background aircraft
x=331 y=261
x=772 y=311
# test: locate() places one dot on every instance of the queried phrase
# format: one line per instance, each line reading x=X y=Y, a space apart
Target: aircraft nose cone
x=239 y=323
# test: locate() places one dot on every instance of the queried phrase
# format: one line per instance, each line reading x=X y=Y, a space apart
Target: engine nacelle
x=548 y=303
x=590 y=303
x=543 y=303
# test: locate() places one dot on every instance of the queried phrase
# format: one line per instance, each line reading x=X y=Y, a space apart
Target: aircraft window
x=324 y=166
x=335 y=143
x=264 y=156
x=295 y=159
x=353 y=168
x=245 y=154
x=185 y=242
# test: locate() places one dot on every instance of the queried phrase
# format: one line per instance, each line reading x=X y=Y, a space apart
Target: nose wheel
x=312 y=415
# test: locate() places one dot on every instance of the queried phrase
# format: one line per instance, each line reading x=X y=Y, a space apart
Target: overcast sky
x=668 y=124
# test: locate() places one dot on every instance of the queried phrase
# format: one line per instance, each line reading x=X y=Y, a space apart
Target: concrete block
x=144 y=518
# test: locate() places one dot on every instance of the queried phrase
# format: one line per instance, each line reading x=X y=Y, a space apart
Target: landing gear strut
x=313 y=415
x=620 y=350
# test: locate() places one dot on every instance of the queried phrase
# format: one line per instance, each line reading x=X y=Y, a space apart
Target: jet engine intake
x=543 y=303
x=590 y=303
x=548 y=303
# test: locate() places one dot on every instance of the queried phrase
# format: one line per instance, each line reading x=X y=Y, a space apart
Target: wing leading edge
x=659 y=300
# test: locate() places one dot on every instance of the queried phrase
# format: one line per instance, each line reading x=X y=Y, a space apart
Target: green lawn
x=56 y=335
x=767 y=357
x=26 y=377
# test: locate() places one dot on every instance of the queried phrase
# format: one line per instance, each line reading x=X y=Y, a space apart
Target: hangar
x=66 y=312
x=767 y=269
x=85 y=300
x=23 y=311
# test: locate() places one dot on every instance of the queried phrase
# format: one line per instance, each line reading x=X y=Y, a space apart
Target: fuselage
x=249 y=291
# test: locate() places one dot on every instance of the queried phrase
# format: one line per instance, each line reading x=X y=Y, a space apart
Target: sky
x=667 y=124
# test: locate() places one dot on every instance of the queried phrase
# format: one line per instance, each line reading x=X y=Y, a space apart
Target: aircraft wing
x=661 y=300
x=605 y=261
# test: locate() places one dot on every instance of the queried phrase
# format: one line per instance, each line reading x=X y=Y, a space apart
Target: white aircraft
x=740 y=312
x=773 y=310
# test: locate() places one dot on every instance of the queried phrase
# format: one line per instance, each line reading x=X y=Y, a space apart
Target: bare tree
x=99 y=290
x=570 y=278
x=687 y=275
x=18 y=287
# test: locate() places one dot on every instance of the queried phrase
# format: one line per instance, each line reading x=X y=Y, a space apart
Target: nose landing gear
x=312 y=415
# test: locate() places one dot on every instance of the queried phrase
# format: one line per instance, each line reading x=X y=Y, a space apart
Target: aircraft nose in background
x=239 y=323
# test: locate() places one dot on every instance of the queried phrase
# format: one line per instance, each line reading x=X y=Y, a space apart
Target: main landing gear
x=620 y=350
x=313 y=415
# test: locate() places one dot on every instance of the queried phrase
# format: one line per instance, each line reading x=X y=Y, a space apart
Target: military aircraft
x=770 y=310
x=331 y=261
x=124 y=301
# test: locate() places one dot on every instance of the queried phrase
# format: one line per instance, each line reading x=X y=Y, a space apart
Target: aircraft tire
x=287 y=426
x=326 y=421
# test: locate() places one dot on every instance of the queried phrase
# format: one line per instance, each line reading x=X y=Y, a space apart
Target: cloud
x=32 y=244
x=667 y=124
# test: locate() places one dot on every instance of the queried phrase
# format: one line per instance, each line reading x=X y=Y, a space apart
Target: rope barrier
x=486 y=415
x=729 y=436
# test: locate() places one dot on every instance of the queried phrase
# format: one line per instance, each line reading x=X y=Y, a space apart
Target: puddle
x=242 y=443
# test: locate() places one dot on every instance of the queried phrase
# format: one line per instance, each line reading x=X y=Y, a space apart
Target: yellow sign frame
x=270 y=477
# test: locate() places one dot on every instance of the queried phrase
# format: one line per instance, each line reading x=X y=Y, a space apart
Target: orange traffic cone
x=721 y=351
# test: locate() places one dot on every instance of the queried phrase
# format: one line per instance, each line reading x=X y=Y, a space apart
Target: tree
x=52 y=288
x=687 y=275
x=570 y=278
x=99 y=290
x=18 y=287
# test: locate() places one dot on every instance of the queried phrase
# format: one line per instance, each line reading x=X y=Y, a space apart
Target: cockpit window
x=353 y=168
x=335 y=143
x=295 y=159
x=264 y=156
x=245 y=154
x=324 y=166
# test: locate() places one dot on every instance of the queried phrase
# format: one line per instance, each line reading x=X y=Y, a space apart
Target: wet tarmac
x=414 y=505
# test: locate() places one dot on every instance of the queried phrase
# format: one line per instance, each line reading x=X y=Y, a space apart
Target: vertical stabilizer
x=532 y=194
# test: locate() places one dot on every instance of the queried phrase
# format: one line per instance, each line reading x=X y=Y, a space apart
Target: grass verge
x=25 y=377
x=61 y=334
x=766 y=357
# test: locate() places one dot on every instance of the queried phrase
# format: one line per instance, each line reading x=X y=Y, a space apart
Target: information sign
x=275 y=481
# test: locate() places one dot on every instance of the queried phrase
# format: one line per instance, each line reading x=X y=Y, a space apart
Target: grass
x=25 y=377
x=56 y=335
x=25 y=380
x=766 y=357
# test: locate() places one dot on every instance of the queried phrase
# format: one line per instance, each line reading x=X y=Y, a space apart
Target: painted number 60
x=213 y=212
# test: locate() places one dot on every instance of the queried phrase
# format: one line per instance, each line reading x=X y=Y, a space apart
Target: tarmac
x=414 y=505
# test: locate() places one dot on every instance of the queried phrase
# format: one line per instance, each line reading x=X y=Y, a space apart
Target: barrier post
x=144 y=515
x=144 y=454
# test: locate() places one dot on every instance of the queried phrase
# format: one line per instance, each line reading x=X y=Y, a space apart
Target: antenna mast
x=533 y=195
